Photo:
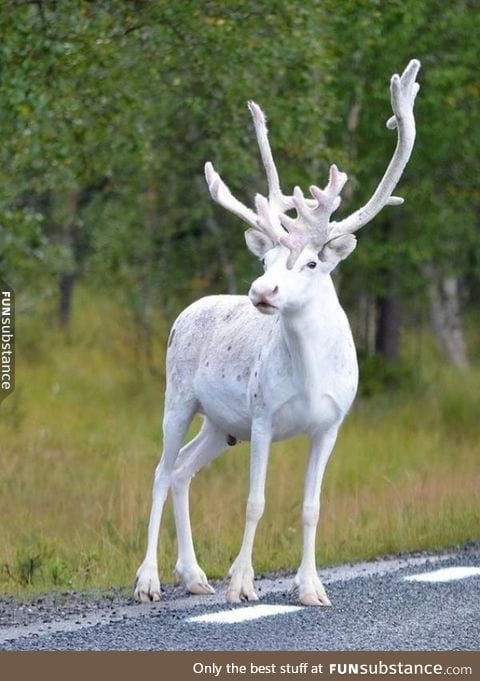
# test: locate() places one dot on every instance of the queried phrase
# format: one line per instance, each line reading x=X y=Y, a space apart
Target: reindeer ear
x=337 y=249
x=258 y=242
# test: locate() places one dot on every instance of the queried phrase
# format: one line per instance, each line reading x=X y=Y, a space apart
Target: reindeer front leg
x=307 y=582
x=241 y=573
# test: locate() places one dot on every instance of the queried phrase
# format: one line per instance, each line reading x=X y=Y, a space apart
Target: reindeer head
x=295 y=252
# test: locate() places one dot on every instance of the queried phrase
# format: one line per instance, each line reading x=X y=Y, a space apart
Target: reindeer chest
x=305 y=397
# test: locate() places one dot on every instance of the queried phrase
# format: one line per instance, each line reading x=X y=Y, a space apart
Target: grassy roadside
x=80 y=437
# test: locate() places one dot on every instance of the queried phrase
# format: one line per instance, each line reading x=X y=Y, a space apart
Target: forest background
x=108 y=112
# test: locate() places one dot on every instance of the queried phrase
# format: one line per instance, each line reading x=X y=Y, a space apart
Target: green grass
x=80 y=438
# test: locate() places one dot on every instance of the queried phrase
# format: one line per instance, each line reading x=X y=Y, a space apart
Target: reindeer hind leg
x=206 y=446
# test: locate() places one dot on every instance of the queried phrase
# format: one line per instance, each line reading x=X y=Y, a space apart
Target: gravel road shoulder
x=89 y=606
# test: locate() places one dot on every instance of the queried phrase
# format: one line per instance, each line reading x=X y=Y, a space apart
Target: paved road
x=374 y=608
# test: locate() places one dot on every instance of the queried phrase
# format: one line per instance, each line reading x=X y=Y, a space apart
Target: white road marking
x=445 y=574
x=244 y=614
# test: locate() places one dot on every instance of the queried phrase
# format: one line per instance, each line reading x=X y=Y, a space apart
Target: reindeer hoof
x=312 y=599
x=232 y=596
x=146 y=592
x=200 y=588
x=194 y=579
x=251 y=596
x=147 y=585
x=241 y=584
x=310 y=589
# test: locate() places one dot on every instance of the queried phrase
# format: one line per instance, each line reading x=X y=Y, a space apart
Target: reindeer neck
x=313 y=333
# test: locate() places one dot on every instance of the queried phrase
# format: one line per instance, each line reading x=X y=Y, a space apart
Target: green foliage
x=458 y=406
x=378 y=376
x=439 y=219
x=27 y=566
x=110 y=110
x=58 y=572
x=30 y=559
x=123 y=106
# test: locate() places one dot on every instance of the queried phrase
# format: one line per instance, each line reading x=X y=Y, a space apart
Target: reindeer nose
x=263 y=291
x=262 y=294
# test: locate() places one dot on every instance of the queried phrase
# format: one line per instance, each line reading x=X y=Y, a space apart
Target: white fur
x=269 y=366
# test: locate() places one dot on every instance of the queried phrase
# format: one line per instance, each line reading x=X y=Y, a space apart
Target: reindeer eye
x=311 y=265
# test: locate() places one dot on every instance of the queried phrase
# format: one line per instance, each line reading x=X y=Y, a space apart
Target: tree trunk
x=66 y=281
x=387 y=337
x=365 y=323
x=446 y=316
x=67 y=277
x=388 y=301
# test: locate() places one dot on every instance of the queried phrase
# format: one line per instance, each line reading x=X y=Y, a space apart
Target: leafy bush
x=377 y=375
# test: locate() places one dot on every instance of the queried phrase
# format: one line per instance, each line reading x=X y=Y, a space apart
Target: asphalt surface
x=374 y=608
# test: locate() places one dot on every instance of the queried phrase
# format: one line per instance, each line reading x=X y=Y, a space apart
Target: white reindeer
x=273 y=364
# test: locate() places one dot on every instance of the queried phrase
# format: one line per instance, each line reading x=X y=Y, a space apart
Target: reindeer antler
x=403 y=91
x=268 y=211
x=222 y=195
x=312 y=224
x=277 y=200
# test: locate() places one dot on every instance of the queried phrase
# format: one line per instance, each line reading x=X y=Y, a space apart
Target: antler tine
x=267 y=221
x=403 y=91
x=278 y=201
x=267 y=217
x=329 y=198
x=314 y=214
x=223 y=196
